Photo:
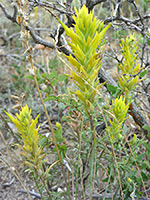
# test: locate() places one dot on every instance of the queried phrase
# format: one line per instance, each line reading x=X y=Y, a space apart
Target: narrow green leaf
x=146 y=127
x=105 y=180
x=112 y=88
x=14 y=76
x=29 y=77
x=143 y=73
x=148 y=40
x=54 y=82
x=147 y=146
x=51 y=98
x=43 y=141
x=62 y=77
x=144 y=176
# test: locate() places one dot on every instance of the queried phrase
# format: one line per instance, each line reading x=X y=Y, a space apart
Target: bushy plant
x=90 y=153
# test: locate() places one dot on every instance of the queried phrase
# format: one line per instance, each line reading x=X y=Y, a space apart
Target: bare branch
x=38 y=39
x=117 y=8
x=98 y=2
x=4 y=40
x=35 y=37
x=12 y=18
x=126 y=20
x=54 y=7
x=90 y=4
x=69 y=2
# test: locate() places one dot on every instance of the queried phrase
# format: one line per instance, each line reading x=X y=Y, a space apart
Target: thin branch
x=12 y=18
x=38 y=39
x=117 y=8
x=124 y=19
x=91 y=4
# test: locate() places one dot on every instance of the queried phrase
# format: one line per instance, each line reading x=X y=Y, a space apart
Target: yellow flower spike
x=10 y=116
x=15 y=121
x=58 y=125
x=29 y=135
x=78 y=80
x=134 y=140
x=26 y=122
x=130 y=180
x=129 y=66
x=121 y=82
x=132 y=37
x=79 y=54
x=74 y=62
x=82 y=72
x=91 y=29
x=137 y=69
x=120 y=137
x=79 y=32
x=119 y=109
x=36 y=119
x=132 y=84
x=80 y=96
x=87 y=35
x=113 y=138
x=35 y=136
x=32 y=126
x=89 y=106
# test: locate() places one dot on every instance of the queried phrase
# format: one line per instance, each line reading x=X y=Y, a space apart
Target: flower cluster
x=118 y=111
x=31 y=149
x=130 y=68
x=86 y=36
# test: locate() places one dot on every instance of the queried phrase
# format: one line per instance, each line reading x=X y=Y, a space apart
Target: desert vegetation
x=75 y=99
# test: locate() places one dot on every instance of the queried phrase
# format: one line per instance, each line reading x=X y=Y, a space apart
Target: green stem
x=81 y=173
x=92 y=164
x=37 y=186
x=43 y=181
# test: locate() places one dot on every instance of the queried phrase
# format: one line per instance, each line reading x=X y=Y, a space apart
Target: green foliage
x=142 y=74
x=146 y=128
x=87 y=153
x=119 y=34
x=146 y=3
x=86 y=65
x=51 y=83
x=19 y=82
x=131 y=74
x=115 y=91
x=60 y=140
